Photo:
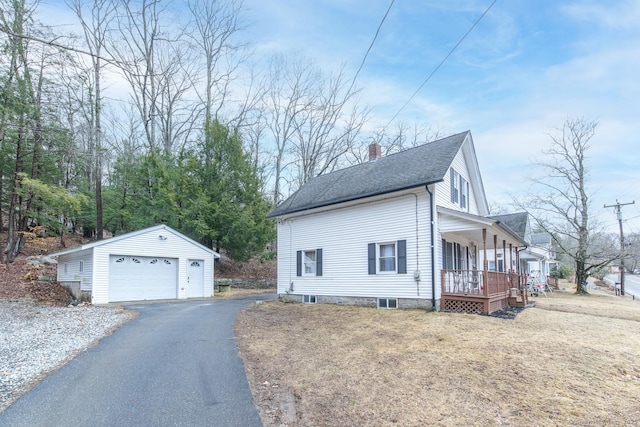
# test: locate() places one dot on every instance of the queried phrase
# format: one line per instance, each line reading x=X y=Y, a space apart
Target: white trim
x=314 y=264
x=380 y=257
x=387 y=303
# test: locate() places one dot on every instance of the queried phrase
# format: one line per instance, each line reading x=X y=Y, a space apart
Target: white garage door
x=134 y=278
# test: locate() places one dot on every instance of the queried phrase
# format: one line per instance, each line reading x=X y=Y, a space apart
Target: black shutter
x=318 y=262
x=402 y=256
x=299 y=263
x=372 y=258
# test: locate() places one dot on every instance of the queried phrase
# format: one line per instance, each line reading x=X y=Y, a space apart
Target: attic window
x=455 y=186
x=464 y=193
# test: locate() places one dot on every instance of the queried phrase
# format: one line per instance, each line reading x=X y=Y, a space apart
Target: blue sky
x=526 y=68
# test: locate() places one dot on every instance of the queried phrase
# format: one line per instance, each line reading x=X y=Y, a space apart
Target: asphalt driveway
x=176 y=364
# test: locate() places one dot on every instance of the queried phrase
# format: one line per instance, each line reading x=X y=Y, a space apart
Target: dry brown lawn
x=239 y=292
x=571 y=360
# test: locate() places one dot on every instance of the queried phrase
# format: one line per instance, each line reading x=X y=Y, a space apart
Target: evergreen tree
x=227 y=210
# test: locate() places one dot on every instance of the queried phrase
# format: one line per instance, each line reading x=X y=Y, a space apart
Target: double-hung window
x=388 y=257
x=464 y=193
x=459 y=190
x=455 y=186
x=309 y=263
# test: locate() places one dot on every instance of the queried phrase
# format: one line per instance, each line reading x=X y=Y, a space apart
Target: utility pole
x=618 y=211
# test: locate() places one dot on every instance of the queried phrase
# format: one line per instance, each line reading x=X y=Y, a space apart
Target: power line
x=441 y=62
x=353 y=82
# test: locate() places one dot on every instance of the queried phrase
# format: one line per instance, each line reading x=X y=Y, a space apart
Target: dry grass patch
x=237 y=292
x=337 y=365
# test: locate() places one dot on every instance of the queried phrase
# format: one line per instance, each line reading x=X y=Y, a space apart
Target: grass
x=571 y=360
x=239 y=292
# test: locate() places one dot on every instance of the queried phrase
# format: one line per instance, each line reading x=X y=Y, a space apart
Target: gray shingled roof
x=517 y=222
x=422 y=165
x=540 y=238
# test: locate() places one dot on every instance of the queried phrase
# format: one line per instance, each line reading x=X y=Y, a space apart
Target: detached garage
x=151 y=264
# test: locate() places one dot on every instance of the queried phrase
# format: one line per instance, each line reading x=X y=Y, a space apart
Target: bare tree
x=285 y=100
x=215 y=24
x=561 y=206
x=400 y=138
x=143 y=50
x=324 y=131
x=95 y=27
x=312 y=120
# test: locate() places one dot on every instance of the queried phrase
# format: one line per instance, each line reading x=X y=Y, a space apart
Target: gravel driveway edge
x=36 y=340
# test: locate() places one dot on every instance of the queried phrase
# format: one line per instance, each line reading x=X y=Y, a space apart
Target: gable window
x=388 y=257
x=464 y=193
x=459 y=189
x=309 y=262
x=455 y=186
x=81 y=267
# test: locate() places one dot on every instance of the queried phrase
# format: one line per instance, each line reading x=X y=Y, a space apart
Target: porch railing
x=480 y=283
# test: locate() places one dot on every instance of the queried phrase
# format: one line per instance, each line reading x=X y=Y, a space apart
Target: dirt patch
x=571 y=360
x=255 y=268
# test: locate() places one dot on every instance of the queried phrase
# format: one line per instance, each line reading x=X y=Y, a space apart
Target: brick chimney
x=375 y=151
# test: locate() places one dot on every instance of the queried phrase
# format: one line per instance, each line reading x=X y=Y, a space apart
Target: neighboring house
x=537 y=258
x=406 y=230
x=540 y=256
x=150 y=264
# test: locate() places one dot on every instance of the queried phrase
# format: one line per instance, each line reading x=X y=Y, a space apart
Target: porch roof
x=468 y=226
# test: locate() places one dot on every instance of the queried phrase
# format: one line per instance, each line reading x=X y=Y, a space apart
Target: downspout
x=433 y=254
x=416 y=275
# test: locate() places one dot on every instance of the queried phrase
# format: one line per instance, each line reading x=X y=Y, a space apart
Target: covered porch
x=480 y=267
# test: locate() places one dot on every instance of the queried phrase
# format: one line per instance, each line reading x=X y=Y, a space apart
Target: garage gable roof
x=158 y=227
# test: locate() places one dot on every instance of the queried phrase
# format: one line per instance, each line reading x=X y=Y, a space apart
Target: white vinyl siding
x=149 y=244
x=345 y=234
x=71 y=271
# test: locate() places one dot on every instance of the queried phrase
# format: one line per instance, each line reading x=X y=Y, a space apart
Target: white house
x=537 y=258
x=406 y=230
x=150 y=264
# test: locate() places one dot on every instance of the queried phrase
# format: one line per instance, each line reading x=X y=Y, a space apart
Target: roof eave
x=351 y=199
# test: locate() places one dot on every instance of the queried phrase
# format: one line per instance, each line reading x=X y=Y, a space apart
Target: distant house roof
x=517 y=222
x=540 y=239
x=416 y=167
